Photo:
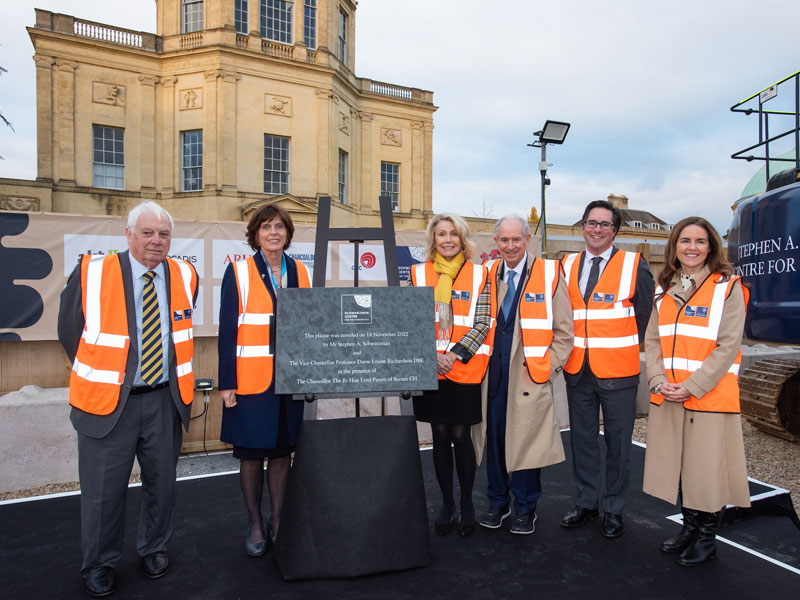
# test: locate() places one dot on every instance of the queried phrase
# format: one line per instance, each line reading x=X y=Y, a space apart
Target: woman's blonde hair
x=462 y=229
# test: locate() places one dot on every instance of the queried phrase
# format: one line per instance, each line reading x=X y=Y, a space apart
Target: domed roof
x=758 y=182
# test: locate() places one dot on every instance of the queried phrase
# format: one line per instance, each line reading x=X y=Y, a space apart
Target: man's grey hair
x=151 y=207
x=526 y=228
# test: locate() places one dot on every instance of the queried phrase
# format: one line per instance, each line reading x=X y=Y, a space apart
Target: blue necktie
x=508 y=301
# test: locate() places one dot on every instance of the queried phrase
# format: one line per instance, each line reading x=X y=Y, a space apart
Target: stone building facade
x=230 y=105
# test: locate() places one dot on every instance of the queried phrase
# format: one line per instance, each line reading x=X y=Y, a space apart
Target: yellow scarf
x=447 y=269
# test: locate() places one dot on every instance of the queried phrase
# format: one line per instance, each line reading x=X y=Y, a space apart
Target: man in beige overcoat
x=519 y=428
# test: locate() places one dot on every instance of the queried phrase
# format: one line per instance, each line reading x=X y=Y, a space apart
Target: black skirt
x=453 y=404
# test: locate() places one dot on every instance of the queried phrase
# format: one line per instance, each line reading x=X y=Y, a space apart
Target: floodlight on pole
x=553 y=132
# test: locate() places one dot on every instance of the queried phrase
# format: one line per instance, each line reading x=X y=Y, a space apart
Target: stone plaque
x=342 y=342
x=108 y=93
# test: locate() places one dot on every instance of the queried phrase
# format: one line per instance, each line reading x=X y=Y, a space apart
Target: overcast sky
x=647 y=87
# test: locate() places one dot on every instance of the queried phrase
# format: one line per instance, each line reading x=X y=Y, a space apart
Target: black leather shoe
x=524 y=524
x=466 y=523
x=494 y=517
x=446 y=518
x=578 y=516
x=613 y=526
x=100 y=582
x=156 y=564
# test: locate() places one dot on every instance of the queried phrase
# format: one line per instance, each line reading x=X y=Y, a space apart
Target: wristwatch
x=656 y=389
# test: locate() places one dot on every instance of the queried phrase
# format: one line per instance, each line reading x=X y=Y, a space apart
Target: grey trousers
x=619 y=411
x=149 y=429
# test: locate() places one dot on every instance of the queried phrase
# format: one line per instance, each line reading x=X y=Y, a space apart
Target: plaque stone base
x=355 y=500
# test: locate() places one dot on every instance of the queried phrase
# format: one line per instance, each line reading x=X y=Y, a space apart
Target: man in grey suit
x=125 y=321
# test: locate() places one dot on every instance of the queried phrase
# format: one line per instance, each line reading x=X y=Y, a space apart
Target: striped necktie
x=152 y=354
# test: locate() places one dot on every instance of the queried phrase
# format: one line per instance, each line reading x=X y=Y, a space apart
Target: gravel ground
x=769 y=459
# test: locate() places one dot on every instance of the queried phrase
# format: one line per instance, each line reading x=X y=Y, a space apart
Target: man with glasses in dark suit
x=611 y=291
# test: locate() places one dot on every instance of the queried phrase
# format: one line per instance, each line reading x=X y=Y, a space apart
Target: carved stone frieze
x=278 y=105
x=190 y=99
x=108 y=93
x=391 y=137
x=26 y=203
x=344 y=123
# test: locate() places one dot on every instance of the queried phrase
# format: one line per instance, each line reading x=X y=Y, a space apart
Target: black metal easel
x=356 y=236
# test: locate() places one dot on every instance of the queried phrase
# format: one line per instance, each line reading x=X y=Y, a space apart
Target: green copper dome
x=758 y=182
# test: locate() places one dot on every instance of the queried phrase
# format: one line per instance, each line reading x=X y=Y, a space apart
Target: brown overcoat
x=532 y=436
x=701 y=452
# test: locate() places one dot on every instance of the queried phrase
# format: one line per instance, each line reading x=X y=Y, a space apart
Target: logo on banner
x=356 y=309
x=368 y=260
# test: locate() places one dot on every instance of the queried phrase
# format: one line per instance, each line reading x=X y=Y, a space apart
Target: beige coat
x=532 y=436
x=701 y=452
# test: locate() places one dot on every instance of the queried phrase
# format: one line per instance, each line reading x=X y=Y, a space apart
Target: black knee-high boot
x=704 y=547
x=688 y=533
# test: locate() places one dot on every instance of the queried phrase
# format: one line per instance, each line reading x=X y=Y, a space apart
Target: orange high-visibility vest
x=254 y=356
x=464 y=298
x=606 y=326
x=99 y=366
x=535 y=314
x=689 y=335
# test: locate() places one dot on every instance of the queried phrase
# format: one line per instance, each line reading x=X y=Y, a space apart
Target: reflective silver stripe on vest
x=110 y=340
x=535 y=351
x=186 y=276
x=685 y=364
x=617 y=311
x=243 y=281
x=255 y=318
x=419 y=270
x=252 y=351
x=182 y=336
x=625 y=280
x=705 y=332
x=184 y=369
x=96 y=375
x=93 y=312
x=568 y=264
x=617 y=342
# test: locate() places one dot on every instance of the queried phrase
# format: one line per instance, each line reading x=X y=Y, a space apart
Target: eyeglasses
x=604 y=225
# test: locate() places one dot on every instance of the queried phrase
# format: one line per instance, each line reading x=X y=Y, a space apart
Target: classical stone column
x=226 y=121
x=417 y=165
x=210 y=133
x=325 y=123
x=354 y=182
x=45 y=160
x=168 y=166
x=366 y=170
x=427 y=162
x=64 y=121
x=147 y=118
